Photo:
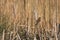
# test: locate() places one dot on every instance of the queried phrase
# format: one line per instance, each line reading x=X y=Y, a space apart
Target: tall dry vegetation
x=28 y=19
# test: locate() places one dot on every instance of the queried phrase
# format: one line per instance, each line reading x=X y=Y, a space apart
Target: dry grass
x=29 y=19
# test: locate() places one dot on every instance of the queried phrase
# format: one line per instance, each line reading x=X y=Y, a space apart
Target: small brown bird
x=38 y=20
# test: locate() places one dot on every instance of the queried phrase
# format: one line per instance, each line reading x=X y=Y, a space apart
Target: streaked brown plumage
x=38 y=20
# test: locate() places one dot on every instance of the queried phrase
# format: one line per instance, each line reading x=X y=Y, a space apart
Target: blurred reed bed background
x=29 y=20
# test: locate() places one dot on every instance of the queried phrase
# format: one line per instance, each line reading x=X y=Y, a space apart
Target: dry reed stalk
x=55 y=20
x=3 y=36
